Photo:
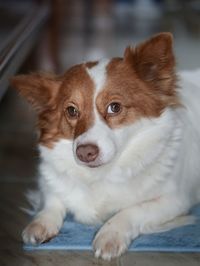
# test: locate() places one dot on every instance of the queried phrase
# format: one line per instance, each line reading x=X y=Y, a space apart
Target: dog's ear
x=38 y=89
x=153 y=60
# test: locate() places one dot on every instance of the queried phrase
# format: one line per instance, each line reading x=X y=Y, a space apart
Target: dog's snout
x=87 y=152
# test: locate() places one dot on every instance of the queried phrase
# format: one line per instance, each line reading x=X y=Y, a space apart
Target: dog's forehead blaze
x=78 y=88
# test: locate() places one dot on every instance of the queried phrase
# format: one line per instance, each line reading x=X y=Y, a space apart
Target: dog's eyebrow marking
x=98 y=74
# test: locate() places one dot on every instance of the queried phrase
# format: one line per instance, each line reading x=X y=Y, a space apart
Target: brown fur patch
x=39 y=89
x=144 y=82
x=51 y=96
x=78 y=88
x=91 y=64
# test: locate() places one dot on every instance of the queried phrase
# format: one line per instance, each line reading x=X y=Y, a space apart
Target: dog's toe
x=36 y=233
x=109 y=244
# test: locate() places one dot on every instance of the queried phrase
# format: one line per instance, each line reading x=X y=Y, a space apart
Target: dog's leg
x=117 y=233
x=46 y=223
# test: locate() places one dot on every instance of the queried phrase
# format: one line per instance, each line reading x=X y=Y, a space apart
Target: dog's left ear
x=154 y=60
x=38 y=89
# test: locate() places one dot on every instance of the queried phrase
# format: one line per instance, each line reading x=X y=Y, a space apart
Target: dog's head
x=92 y=103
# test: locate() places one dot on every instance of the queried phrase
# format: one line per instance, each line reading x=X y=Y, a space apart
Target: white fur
x=149 y=176
x=98 y=74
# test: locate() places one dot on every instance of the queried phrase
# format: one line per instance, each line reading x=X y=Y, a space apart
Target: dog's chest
x=93 y=199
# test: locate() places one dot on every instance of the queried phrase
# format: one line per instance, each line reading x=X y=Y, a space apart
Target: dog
x=119 y=142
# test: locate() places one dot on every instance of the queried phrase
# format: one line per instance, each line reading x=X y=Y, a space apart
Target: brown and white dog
x=119 y=143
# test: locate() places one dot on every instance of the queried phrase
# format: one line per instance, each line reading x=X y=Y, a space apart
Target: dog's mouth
x=94 y=164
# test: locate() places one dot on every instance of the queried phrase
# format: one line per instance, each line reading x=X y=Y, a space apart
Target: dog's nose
x=87 y=152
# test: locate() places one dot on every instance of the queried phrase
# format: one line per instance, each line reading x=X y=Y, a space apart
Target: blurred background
x=53 y=35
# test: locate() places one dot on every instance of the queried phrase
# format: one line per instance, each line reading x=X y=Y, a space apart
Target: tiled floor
x=18 y=153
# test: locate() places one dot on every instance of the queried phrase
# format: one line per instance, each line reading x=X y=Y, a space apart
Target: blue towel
x=76 y=236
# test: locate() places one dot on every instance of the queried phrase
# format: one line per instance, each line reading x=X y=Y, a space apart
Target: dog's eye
x=72 y=111
x=114 y=108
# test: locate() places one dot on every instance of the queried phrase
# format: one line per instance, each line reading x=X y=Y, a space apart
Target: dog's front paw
x=38 y=232
x=110 y=243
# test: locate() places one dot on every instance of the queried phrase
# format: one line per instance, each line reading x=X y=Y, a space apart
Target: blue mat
x=76 y=236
